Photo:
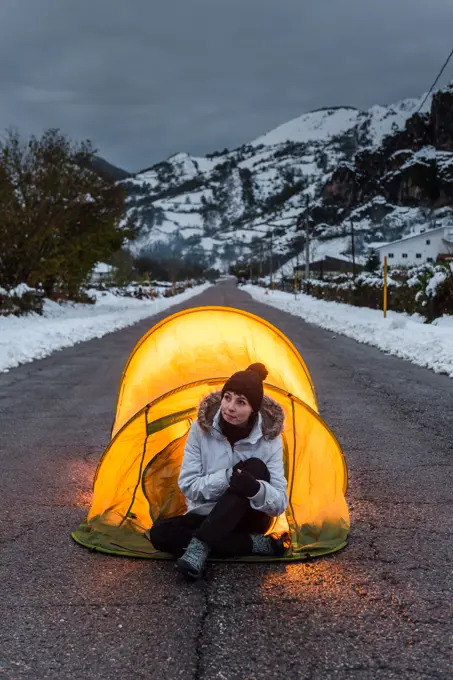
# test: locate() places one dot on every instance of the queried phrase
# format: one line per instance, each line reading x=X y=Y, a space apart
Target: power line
x=435 y=82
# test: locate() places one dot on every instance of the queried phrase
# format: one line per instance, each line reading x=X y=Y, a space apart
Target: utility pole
x=353 y=249
x=250 y=269
x=299 y=226
x=261 y=259
x=297 y=274
x=270 y=262
x=307 y=242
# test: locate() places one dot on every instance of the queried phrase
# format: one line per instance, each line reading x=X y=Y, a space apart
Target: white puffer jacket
x=208 y=458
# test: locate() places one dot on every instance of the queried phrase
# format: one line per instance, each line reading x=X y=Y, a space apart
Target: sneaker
x=193 y=562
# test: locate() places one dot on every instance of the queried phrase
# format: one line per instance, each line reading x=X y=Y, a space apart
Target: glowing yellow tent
x=177 y=363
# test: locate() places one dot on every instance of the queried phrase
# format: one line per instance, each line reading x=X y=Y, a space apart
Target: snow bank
x=428 y=345
x=26 y=338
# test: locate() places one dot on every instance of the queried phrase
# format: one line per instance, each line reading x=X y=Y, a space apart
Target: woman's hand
x=244 y=484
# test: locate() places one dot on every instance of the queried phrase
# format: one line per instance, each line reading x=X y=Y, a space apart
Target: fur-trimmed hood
x=271 y=412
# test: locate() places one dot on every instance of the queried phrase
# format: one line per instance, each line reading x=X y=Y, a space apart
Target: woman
x=231 y=476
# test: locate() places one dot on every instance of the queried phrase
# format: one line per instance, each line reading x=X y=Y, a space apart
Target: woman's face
x=235 y=408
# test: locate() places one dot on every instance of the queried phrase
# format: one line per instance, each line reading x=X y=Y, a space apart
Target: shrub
x=426 y=290
x=27 y=303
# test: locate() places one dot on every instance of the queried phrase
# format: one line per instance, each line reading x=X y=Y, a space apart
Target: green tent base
x=130 y=543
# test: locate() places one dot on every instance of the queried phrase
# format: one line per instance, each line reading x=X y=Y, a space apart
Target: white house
x=415 y=249
x=102 y=272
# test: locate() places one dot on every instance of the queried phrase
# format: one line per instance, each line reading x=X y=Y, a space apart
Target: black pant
x=226 y=529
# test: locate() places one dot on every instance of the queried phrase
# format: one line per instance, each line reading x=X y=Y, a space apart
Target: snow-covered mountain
x=368 y=166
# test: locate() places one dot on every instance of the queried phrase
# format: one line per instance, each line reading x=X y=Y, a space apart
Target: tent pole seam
x=293 y=461
x=139 y=472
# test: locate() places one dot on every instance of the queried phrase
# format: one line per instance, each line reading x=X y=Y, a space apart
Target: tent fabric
x=175 y=365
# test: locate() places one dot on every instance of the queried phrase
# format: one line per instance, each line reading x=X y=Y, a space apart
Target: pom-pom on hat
x=249 y=383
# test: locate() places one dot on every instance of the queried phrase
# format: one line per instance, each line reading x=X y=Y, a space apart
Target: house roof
x=326 y=260
x=409 y=237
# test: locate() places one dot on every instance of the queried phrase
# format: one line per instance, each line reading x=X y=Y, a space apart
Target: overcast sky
x=148 y=78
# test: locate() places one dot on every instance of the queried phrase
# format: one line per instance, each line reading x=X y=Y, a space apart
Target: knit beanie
x=249 y=383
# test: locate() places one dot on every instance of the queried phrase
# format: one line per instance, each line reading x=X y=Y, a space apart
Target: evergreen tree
x=373 y=261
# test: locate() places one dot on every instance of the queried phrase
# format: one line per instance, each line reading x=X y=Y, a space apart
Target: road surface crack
x=198 y=672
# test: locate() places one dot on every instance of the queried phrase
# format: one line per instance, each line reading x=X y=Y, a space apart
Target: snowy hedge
x=427 y=290
x=23 y=300
x=434 y=289
x=20 y=300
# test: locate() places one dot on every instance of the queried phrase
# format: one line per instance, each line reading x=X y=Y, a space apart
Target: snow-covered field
x=407 y=337
x=26 y=338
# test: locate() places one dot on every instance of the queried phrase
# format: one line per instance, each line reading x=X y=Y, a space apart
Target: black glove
x=239 y=465
x=244 y=484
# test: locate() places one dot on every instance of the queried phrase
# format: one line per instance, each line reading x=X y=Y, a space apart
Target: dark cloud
x=148 y=79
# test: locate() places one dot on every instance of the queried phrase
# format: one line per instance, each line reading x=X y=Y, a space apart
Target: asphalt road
x=382 y=608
